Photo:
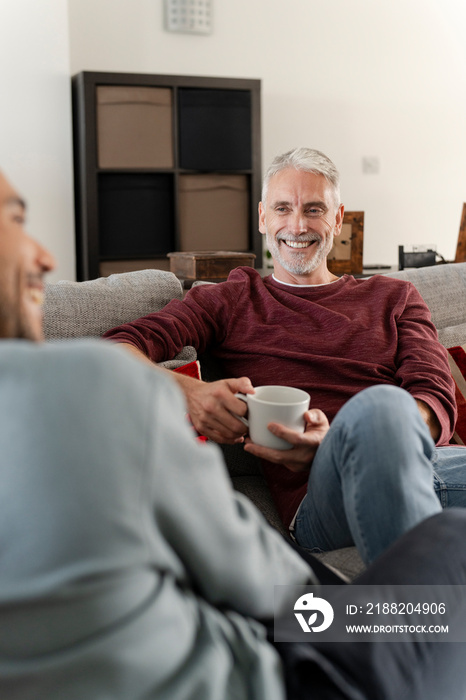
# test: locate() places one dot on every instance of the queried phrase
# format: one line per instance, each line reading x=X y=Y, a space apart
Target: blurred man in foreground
x=128 y=567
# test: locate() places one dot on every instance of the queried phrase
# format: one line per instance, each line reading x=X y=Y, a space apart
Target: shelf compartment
x=135 y=215
x=134 y=127
x=214 y=212
x=214 y=129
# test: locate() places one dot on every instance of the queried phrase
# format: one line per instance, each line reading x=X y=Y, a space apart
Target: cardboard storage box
x=134 y=127
x=214 y=212
x=208 y=265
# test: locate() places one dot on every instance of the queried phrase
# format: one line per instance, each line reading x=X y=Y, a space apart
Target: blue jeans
x=376 y=475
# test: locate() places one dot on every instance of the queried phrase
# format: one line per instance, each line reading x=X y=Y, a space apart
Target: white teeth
x=298 y=244
x=36 y=295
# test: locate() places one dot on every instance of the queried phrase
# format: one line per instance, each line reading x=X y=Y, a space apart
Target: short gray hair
x=309 y=161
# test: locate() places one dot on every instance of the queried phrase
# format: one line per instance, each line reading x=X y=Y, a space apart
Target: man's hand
x=212 y=405
x=430 y=419
x=305 y=445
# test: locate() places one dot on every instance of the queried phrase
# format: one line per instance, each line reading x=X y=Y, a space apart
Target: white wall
x=354 y=78
x=35 y=120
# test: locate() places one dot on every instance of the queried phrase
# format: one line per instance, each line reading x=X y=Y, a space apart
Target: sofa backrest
x=88 y=309
x=443 y=288
x=83 y=309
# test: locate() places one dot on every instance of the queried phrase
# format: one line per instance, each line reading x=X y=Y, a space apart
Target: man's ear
x=261 y=217
x=339 y=220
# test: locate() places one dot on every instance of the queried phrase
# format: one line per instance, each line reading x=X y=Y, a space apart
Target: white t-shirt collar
x=289 y=284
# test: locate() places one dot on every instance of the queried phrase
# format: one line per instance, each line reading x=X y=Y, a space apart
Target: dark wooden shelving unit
x=164 y=163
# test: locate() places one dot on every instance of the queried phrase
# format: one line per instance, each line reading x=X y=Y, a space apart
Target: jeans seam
x=442 y=489
x=357 y=510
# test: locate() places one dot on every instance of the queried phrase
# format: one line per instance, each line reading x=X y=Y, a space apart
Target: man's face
x=300 y=219
x=23 y=263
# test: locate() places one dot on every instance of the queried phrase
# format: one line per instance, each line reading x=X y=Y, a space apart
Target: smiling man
x=300 y=214
x=23 y=263
x=382 y=398
x=129 y=568
x=104 y=590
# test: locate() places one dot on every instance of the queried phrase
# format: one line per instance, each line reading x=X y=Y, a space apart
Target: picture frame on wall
x=346 y=254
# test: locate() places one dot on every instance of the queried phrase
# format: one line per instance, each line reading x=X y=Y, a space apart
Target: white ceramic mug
x=274 y=404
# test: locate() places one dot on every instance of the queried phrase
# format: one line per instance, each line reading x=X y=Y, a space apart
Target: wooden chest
x=208 y=265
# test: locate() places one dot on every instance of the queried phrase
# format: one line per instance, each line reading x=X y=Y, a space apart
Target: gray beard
x=12 y=326
x=300 y=264
x=14 y=319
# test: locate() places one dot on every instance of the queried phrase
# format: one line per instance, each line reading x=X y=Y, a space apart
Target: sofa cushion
x=457 y=361
x=88 y=309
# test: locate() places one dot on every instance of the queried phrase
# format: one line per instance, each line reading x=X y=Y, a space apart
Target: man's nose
x=298 y=223
x=45 y=259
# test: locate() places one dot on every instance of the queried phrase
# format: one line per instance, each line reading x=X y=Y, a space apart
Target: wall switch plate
x=188 y=16
x=371 y=165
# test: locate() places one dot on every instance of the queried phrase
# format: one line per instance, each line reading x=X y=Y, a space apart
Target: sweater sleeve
x=233 y=556
x=423 y=368
x=199 y=321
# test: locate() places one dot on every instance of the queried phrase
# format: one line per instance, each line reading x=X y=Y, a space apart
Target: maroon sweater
x=331 y=340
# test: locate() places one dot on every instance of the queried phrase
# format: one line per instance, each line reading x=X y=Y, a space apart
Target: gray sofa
x=87 y=309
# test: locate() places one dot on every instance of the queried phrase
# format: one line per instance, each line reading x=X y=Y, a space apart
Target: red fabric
x=459 y=356
x=332 y=340
x=460 y=429
x=192 y=369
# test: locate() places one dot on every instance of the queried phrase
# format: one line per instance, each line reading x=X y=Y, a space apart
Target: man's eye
x=314 y=212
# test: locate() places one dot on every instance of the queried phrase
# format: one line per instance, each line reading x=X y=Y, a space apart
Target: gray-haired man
x=383 y=405
x=129 y=568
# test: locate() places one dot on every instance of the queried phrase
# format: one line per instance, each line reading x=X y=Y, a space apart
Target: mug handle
x=244 y=398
